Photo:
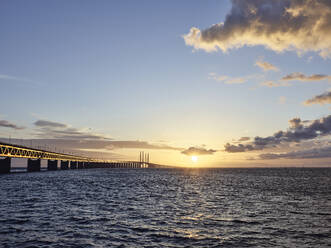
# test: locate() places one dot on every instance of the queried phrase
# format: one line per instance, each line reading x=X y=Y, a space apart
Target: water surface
x=166 y=208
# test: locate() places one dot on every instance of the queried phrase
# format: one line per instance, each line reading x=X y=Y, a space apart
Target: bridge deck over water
x=35 y=156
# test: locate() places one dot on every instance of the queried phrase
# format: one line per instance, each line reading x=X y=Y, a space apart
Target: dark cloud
x=43 y=123
x=324 y=152
x=295 y=123
x=4 y=123
x=299 y=130
x=279 y=25
x=198 y=151
x=324 y=98
x=239 y=148
x=301 y=77
x=244 y=139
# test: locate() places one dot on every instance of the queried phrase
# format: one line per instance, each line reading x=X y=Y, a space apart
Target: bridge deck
x=16 y=151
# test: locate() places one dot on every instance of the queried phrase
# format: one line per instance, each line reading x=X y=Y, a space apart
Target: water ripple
x=166 y=208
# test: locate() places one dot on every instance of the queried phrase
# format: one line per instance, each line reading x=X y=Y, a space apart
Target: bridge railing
x=8 y=150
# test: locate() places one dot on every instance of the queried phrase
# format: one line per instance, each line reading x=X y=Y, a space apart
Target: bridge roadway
x=68 y=161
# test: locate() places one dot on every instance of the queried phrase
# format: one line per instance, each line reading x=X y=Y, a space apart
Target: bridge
x=67 y=161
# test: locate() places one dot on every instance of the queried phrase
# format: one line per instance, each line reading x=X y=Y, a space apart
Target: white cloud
x=282 y=25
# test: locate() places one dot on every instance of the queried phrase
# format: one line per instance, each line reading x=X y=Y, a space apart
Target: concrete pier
x=5 y=165
x=51 y=165
x=33 y=165
x=64 y=165
x=73 y=164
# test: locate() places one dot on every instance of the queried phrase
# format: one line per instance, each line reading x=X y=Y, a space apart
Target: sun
x=194 y=159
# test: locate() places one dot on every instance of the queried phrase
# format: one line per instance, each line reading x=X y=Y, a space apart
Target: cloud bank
x=198 y=151
x=279 y=25
x=109 y=145
x=57 y=130
x=324 y=152
x=298 y=131
x=62 y=135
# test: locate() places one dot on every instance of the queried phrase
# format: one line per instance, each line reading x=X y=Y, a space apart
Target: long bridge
x=67 y=161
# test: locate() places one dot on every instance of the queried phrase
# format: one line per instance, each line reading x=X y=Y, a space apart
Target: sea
x=278 y=207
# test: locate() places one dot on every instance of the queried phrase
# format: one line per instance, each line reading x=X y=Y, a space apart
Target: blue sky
x=122 y=69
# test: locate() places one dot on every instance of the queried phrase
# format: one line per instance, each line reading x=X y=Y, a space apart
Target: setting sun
x=194 y=159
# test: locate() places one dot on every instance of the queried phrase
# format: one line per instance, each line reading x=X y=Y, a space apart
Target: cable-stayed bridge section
x=67 y=161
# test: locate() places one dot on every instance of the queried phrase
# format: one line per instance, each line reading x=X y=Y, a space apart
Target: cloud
x=298 y=131
x=295 y=123
x=3 y=76
x=324 y=98
x=235 y=80
x=272 y=84
x=238 y=148
x=244 y=139
x=57 y=130
x=301 y=77
x=231 y=80
x=4 y=123
x=92 y=147
x=324 y=152
x=283 y=25
x=43 y=123
x=227 y=79
x=138 y=145
x=105 y=144
x=198 y=151
x=62 y=135
x=17 y=79
x=266 y=66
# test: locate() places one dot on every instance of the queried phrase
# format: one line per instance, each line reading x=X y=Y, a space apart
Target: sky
x=192 y=83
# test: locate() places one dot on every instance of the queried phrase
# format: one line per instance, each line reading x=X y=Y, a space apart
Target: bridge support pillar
x=64 y=165
x=5 y=165
x=80 y=165
x=73 y=164
x=33 y=165
x=52 y=165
